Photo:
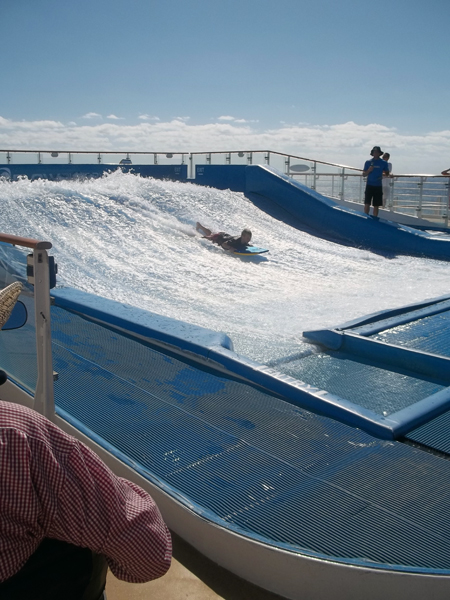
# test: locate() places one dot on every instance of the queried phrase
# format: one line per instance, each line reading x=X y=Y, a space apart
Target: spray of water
x=133 y=240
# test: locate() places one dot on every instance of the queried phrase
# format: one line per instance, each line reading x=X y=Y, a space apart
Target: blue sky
x=324 y=79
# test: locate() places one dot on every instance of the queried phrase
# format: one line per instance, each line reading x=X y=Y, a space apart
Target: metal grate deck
x=428 y=334
x=251 y=461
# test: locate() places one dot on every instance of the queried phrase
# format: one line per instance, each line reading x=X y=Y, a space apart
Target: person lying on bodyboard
x=226 y=241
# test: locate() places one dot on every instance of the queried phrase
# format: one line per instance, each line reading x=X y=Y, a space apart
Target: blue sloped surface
x=327 y=219
x=251 y=461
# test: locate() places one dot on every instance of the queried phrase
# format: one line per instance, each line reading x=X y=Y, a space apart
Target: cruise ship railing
x=425 y=196
x=38 y=276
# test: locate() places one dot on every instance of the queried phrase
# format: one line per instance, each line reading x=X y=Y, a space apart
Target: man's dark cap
x=376 y=148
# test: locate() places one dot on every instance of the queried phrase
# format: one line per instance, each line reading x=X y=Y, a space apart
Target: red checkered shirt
x=52 y=485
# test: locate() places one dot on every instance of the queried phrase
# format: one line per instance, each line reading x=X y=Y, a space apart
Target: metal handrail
x=209 y=153
x=325 y=182
x=16 y=240
x=165 y=153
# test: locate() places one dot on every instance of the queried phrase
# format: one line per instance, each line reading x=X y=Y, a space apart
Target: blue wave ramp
x=330 y=220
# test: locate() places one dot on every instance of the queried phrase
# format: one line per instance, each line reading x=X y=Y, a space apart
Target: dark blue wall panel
x=222 y=177
x=69 y=171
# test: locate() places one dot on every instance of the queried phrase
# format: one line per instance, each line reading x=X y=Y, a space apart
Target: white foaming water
x=133 y=240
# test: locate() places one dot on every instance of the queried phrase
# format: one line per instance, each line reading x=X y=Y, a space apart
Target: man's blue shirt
x=376 y=176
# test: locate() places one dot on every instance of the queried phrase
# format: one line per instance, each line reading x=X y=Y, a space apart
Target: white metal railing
x=39 y=276
x=425 y=196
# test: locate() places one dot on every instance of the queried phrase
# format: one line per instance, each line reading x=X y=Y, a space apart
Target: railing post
x=99 y=158
x=342 y=192
x=44 y=401
x=287 y=165
x=228 y=158
x=314 y=170
x=391 y=194
x=267 y=158
x=39 y=158
x=249 y=158
x=419 y=208
x=8 y=158
x=70 y=159
x=155 y=158
x=191 y=166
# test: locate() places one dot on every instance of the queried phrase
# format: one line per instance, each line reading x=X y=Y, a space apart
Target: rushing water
x=133 y=240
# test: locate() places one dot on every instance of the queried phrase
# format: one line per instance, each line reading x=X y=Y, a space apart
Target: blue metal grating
x=435 y=434
x=256 y=463
x=379 y=389
x=429 y=334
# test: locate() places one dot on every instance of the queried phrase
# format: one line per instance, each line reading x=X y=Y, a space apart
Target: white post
x=342 y=194
x=44 y=401
x=314 y=169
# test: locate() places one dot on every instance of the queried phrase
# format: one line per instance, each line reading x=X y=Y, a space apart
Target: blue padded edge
x=419 y=413
x=185 y=336
x=218 y=348
x=434 y=366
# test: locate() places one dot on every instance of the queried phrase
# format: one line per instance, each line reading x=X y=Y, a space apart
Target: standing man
x=386 y=180
x=374 y=170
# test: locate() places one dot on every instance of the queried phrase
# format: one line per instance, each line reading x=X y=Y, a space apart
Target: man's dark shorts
x=374 y=195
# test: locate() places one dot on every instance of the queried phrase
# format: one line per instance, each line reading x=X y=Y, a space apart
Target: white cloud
x=234 y=120
x=91 y=115
x=148 y=118
x=342 y=143
x=113 y=117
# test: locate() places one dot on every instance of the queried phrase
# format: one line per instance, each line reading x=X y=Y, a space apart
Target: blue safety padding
x=180 y=334
x=218 y=348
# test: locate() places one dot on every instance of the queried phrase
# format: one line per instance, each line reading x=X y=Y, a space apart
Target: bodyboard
x=249 y=251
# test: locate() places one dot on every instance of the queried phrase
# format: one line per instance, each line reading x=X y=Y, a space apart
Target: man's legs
x=377 y=199
x=367 y=199
x=204 y=230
